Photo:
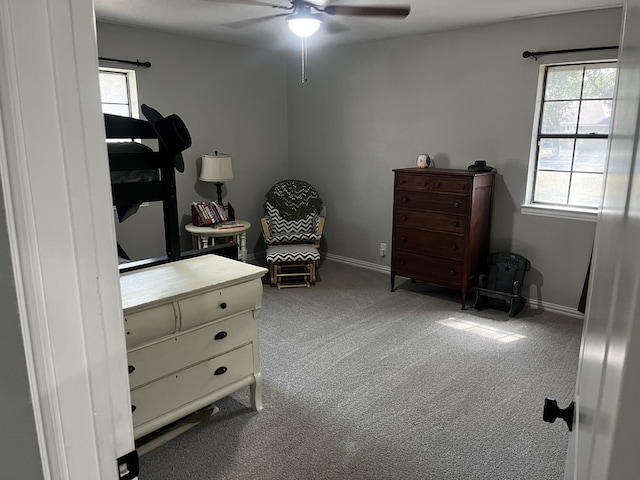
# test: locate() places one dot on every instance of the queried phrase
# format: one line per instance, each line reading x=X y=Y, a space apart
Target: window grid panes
x=573 y=133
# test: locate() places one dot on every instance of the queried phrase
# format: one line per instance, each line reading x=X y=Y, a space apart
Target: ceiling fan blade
x=256 y=3
x=388 y=11
x=252 y=21
x=330 y=25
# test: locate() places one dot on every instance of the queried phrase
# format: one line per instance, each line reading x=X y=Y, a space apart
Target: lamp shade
x=216 y=168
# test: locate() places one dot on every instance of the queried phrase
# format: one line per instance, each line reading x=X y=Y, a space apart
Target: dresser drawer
x=441 y=222
x=148 y=325
x=440 y=271
x=221 y=303
x=429 y=243
x=153 y=361
x=181 y=388
x=426 y=182
x=436 y=202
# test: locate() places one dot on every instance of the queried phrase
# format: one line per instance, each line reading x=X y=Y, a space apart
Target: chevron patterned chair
x=292 y=230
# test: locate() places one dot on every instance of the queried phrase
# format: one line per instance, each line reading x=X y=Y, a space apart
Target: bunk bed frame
x=161 y=190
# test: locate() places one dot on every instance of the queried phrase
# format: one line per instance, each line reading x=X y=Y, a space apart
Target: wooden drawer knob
x=452 y=272
x=454 y=247
x=437 y=185
x=405 y=200
x=220 y=371
x=404 y=217
x=457 y=204
x=220 y=335
x=403 y=239
x=456 y=224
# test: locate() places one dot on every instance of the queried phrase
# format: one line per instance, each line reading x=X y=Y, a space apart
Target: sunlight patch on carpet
x=482 y=330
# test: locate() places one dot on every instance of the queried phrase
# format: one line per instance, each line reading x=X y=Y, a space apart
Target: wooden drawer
x=440 y=271
x=148 y=325
x=221 y=303
x=181 y=388
x=156 y=360
x=430 y=221
x=425 y=182
x=435 y=202
x=429 y=243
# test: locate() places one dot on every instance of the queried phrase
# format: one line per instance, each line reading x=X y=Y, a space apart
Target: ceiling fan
x=305 y=17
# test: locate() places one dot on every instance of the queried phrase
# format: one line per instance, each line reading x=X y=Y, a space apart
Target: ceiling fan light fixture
x=304 y=25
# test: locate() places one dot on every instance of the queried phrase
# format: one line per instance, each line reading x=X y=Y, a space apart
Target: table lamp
x=217 y=169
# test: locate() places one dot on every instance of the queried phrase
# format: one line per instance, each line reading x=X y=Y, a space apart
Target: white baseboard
x=533 y=303
x=358 y=263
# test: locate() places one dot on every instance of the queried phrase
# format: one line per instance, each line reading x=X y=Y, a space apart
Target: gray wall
x=233 y=99
x=459 y=96
x=367 y=109
x=19 y=450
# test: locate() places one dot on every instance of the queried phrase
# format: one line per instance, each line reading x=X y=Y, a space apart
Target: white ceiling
x=218 y=19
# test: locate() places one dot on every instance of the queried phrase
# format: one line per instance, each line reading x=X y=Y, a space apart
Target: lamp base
x=219 y=191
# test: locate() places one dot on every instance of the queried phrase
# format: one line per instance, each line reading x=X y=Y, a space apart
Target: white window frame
x=557 y=211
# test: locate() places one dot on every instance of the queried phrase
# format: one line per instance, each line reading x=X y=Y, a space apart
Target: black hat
x=172 y=133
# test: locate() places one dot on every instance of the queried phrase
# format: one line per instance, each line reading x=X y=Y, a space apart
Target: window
x=118 y=92
x=571 y=136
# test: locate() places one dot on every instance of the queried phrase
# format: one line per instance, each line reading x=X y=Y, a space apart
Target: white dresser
x=192 y=336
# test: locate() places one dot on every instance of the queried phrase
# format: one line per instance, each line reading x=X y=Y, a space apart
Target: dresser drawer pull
x=457 y=204
x=220 y=371
x=403 y=262
x=131 y=369
x=403 y=239
x=452 y=272
x=220 y=335
x=405 y=200
x=133 y=408
x=223 y=305
x=404 y=217
x=456 y=224
x=437 y=185
x=454 y=247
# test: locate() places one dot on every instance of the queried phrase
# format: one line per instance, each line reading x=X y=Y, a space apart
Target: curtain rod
x=137 y=63
x=528 y=54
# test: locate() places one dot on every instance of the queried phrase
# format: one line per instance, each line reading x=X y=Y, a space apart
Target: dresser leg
x=464 y=299
x=255 y=392
x=393 y=281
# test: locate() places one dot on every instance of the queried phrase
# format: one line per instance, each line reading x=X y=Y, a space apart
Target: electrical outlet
x=383 y=249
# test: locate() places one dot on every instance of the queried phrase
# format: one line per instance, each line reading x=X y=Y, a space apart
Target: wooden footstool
x=292 y=265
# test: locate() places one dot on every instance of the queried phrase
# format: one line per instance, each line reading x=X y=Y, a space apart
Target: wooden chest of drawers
x=192 y=336
x=441 y=222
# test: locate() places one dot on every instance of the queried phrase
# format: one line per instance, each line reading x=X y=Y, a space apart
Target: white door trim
x=54 y=173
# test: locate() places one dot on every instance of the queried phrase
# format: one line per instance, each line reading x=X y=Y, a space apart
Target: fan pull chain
x=304 y=60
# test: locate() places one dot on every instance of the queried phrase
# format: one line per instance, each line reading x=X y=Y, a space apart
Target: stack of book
x=204 y=214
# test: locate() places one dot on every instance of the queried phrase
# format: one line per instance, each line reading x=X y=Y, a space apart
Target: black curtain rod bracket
x=137 y=63
x=536 y=55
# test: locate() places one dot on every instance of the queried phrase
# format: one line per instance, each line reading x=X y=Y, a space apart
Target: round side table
x=204 y=236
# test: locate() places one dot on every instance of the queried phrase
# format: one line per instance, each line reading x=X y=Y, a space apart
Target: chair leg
x=516 y=305
x=481 y=301
x=272 y=273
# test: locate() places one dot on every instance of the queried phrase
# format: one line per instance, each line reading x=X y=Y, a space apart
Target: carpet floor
x=362 y=383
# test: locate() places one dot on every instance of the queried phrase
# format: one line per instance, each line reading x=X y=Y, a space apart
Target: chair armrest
x=320 y=226
x=265 y=227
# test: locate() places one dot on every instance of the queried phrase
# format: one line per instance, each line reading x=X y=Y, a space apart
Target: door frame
x=55 y=180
